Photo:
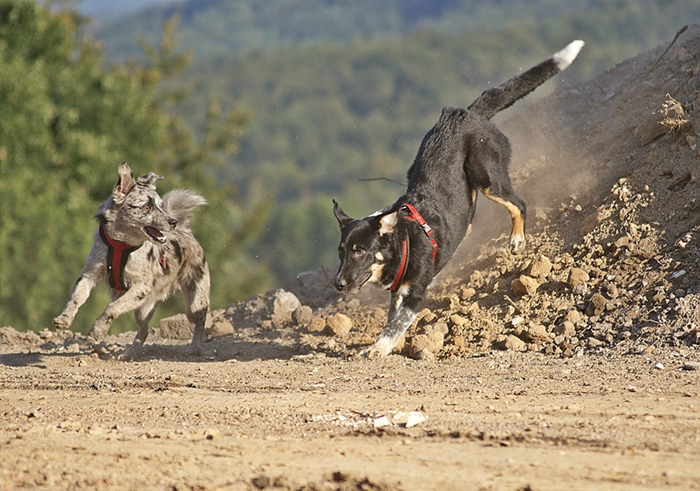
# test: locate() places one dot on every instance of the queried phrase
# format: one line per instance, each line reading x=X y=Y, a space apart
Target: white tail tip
x=565 y=57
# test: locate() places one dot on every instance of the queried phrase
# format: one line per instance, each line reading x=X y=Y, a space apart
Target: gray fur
x=168 y=258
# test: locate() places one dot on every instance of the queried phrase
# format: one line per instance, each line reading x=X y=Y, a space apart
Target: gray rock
x=281 y=307
x=302 y=315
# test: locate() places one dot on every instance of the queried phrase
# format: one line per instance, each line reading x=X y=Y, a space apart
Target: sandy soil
x=574 y=365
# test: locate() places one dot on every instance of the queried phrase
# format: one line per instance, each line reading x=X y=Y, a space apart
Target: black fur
x=462 y=154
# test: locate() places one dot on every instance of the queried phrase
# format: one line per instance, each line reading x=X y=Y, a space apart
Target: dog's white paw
x=516 y=243
x=380 y=349
x=62 y=322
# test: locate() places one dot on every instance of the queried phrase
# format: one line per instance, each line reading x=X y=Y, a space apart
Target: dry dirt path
x=505 y=421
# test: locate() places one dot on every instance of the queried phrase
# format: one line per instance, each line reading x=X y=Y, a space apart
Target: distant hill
x=224 y=27
x=108 y=10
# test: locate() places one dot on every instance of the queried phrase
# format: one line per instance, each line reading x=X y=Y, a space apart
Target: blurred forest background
x=269 y=108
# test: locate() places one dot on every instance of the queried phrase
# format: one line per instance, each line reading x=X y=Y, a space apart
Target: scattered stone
x=176 y=327
x=577 y=277
x=467 y=293
x=437 y=327
x=691 y=365
x=566 y=329
x=432 y=341
x=339 y=324
x=594 y=343
x=573 y=316
x=400 y=418
x=302 y=315
x=596 y=305
x=611 y=290
x=281 y=307
x=220 y=328
x=514 y=343
x=540 y=267
x=317 y=324
x=524 y=285
x=537 y=334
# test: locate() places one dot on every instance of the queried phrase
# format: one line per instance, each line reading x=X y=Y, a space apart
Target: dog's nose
x=172 y=222
x=340 y=284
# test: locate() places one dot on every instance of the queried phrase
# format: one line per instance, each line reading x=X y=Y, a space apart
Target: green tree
x=66 y=122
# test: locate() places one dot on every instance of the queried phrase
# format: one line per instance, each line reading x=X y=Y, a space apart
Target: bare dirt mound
x=572 y=365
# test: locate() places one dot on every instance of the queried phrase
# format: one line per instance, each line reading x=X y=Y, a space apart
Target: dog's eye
x=147 y=207
x=359 y=252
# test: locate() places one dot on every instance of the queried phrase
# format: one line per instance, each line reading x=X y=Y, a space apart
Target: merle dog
x=404 y=246
x=144 y=250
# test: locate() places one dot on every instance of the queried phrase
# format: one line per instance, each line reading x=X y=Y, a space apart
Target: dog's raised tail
x=180 y=202
x=492 y=101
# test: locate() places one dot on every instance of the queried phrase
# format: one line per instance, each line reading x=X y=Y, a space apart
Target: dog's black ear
x=149 y=179
x=340 y=215
x=125 y=182
x=385 y=223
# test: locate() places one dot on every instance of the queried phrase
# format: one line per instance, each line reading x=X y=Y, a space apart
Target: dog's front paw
x=62 y=322
x=379 y=349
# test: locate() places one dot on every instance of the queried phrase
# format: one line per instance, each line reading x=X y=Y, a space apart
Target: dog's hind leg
x=516 y=208
x=143 y=316
x=487 y=170
x=196 y=295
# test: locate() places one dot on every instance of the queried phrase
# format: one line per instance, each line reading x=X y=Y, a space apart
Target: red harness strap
x=402 y=267
x=117 y=255
x=415 y=216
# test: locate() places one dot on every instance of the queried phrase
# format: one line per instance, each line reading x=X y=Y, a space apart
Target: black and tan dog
x=403 y=247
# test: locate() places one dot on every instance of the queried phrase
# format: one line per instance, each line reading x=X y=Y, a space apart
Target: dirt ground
x=574 y=365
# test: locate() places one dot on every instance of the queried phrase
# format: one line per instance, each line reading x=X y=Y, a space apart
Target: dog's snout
x=340 y=284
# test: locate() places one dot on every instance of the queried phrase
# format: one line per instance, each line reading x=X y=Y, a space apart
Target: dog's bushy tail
x=505 y=95
x=180 y=202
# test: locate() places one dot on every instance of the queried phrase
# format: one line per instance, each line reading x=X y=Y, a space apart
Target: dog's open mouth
x=155 y=234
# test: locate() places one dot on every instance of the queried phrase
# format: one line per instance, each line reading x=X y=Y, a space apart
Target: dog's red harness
x=117 y=255
x=415 y=216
